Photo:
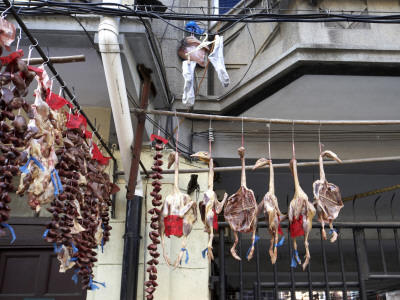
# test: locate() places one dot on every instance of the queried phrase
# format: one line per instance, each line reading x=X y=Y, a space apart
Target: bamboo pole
x=285 y=165
x=370 y=193
x=56 y=59
x=265 y=120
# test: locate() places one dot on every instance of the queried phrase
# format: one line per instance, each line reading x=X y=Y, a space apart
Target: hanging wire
x=211 y=136
x=294 y=150
x=319 y=138
x=269 y=141
x=19 y=37
x=242 y=133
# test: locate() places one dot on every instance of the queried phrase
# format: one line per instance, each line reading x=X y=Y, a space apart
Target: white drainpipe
x=111 y=55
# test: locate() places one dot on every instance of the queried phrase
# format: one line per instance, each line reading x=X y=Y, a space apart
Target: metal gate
x=376 y=257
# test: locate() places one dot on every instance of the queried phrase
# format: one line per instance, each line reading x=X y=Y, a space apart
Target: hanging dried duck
x=273 y=215
x=179 y=213
x=241 y=212
x=327 y=198
x=301 y=214
x=210 y=207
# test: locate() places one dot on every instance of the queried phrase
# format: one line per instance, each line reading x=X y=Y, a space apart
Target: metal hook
x=19 y=36
x=31 y=46
x=45 y=63
x=55 y=76
x=3 y=14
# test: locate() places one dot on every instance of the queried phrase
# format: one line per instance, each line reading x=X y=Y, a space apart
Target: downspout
x=111 y=56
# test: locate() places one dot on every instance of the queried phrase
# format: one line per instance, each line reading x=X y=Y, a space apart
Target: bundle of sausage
x=151 y=284
x=14 y=132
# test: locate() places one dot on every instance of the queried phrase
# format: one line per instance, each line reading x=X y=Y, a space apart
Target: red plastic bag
x=76 y=121
x=9 y=58
x=55 y=101
x=296 y=228
x=215 y=220
x=104 y=160
x=96 y=153
x=173 y=226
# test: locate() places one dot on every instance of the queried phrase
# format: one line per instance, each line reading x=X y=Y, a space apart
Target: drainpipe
x=111 y=56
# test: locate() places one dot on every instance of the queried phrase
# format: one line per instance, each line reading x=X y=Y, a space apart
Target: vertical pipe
x=381 y=250
x=310 y=287
x=222 y=295
x=396 y=239
x=240 y=267
x=342 y=266
x=363 y=294
x=325 y=267
x=258 y=294
x=276 y=282
x=130 y=261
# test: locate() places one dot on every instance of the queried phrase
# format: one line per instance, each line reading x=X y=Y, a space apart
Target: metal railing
x=360 y=250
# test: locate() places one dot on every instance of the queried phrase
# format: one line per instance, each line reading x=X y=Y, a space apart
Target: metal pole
x=300 y=164
x=265 y=120
x=222 y=293
x=240 y=267
x=325 y=267
x=342 y=266
x=258 y=290
x=130 y=260
x=56 y=75
x=358 y=235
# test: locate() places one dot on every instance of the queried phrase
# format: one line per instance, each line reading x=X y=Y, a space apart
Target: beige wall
x=109 y=266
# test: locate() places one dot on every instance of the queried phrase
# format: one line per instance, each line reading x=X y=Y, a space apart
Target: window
x=223 y=6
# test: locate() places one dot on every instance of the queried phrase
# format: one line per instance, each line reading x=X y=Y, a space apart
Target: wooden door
x=29 y=268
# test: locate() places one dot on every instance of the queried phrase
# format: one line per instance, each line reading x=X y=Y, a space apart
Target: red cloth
x=88 y=134
x=9 y=58
x=55 y=101
x=38 y=71
x=173 y=226
x=215 y=220
x=280 y=230
x=296 y=228
x=75 y=121
x=157 y=137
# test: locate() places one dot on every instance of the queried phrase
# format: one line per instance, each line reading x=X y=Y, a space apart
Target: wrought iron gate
x=366 y=283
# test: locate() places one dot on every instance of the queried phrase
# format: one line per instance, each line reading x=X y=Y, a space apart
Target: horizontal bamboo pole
x=264 y=120
x=285 y=165
x=56 y=59
x=370 y=193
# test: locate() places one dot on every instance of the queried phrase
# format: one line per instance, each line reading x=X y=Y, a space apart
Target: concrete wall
x=109 y=266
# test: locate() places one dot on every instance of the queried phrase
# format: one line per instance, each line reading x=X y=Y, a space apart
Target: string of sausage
x=151 y=284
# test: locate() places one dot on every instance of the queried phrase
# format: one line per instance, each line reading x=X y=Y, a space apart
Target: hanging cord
x=177 y=133
x=294 y=150
x=269 y=141
x=210 y=137
x=242 y=133
x=319 y=138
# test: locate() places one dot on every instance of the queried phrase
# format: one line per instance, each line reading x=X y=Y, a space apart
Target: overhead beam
x=264 y=120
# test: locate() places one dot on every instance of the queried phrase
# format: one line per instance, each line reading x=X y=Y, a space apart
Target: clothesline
x=276 y=166
x=264 y=120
